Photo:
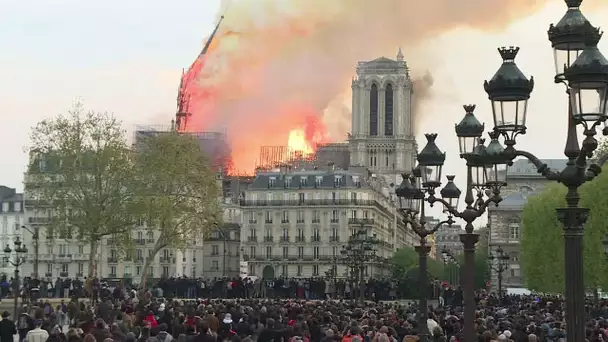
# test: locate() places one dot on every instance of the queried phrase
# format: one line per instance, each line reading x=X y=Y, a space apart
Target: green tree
x=81 y=175
x=542 y=242
x=178 y=190
x=406 y=260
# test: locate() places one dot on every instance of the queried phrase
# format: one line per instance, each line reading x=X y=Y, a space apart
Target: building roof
x=515 y=201
x=523 y=168
x=10 y=196
x=348 y=179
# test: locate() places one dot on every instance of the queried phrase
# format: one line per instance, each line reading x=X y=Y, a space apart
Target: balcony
x=252 y=238
x=140 y=242
x=111 y=275
x=139 y=260
x=300 y=221
x=253 y=221
x=315 y=238
x=284 y=238
x=334 y=220
x=268 y=221
x=112 y=259
x=334 y=238
x=165 y=260
x=150 y=240
x=284 y=221
x=63 y=274
x=64 y=258
x=316 y=220
x=79 y=274
x=268 y=239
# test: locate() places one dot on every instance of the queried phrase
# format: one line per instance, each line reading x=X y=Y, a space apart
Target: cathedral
x=382 y=137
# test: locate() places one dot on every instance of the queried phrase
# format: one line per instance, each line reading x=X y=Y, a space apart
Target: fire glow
x=276 y=69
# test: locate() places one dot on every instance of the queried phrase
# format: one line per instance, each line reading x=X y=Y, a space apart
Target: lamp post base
x=574 y=219
x=469 y=240
x=423 y=252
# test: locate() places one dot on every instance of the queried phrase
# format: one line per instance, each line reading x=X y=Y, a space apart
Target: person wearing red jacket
x=151 y=320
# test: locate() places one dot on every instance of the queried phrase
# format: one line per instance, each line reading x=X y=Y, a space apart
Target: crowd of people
x=125 y=314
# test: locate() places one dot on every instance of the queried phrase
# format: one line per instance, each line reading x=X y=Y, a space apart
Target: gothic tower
x=382 y=137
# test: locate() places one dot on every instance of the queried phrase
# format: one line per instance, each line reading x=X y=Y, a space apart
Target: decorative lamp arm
x=452 y=211
x=449 y=222
x=541 y=167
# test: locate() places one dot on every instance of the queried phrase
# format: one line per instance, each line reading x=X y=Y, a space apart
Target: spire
x=400 y=55
x=182 y=106
x=206 y=47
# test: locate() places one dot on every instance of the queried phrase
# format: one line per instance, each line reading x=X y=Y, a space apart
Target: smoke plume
x=278 y=65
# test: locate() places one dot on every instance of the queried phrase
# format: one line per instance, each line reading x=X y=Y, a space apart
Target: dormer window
x=337 y=181
x=303 y=181
x=272 y=182
x=357 y=181
x=287 y=182
x=318 y=181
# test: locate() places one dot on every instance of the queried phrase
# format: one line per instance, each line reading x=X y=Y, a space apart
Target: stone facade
x=504 y=221
x=449 y=237
x=382 y=136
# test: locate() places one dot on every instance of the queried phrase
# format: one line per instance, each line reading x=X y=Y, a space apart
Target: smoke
x=278 y=63
x=423 y=88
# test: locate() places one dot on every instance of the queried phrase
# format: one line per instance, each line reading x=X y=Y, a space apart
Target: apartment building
x=11 y=220
x=296 y=222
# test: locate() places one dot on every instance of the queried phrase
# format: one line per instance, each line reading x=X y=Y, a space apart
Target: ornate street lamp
x=411 y=195
x=358 y=252
x=18 y=260
x=499 y=263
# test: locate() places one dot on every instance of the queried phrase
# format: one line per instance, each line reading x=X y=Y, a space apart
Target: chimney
x=330 y=167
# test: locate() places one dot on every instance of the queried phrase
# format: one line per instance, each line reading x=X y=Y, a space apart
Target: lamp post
x=450 y=259
x=358 y=252
x=18 y=260
x=411 y=194
x=498 y=263
x=36 y=237
x=584 y=70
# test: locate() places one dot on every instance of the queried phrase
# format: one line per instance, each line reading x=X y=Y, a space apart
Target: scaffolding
x=273 y=156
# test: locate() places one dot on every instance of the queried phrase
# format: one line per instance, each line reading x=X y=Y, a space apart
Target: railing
x=253 y=221
x=334 y=239
x=63 y=274
x=315 y=238
x=268 y=239
x=334 y=220
x=307 y=202
x=284 y=221
x=165 y=260
x=300 y=221
x=284 y=238
x=363 y=221
x=112 y=259
x=318 y=220
x=300 y=239
x=140 y=241
x=268 y=221
x=252 y=238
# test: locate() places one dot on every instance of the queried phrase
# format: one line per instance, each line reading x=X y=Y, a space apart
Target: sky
x=126 y=57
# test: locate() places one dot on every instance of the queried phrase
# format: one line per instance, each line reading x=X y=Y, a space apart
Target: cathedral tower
x=382 y=137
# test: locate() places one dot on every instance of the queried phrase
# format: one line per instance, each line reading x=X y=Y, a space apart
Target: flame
x=297 y=142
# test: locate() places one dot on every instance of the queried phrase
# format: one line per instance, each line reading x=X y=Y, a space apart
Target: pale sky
x=126 y=57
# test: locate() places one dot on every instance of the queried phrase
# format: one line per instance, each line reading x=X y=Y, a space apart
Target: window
x=365 y=214
x=63 y=250
x=139 y=254
x=316 y=235
x=285 y=217
x=335 y=196
x=5 y=207
x=287 y=182
x=284 y=270
x=285 y=252
x=315 y=252
x=356 y=181
x=80 y=249
x=334 y=216
x=514 y=231
x=353 y=214
x=138 y=270
x=49 y=268
x=300 y=216
x=252 y=252
x=334 y=232
x=301 y=197
x=165 y=271
x=151 y=271
x=252 y=217
x=252 y=233
x=251 y=269
x=272 y=182
x=388 y=111
x=373 y=110
x=80 y=268
x=17 y=206
x=65 y=268
x=318 y=181
x=353 y=196
x=113 y=271
x=316 y=216
x=300 y=252
x=215 y=250
x=303 y=181
x=299 y=270
x=337 y=180
x=268 y=252
x=215 y=265
x=315 y=270
x=268 y=217
x=334 y=251
x=140 y=235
